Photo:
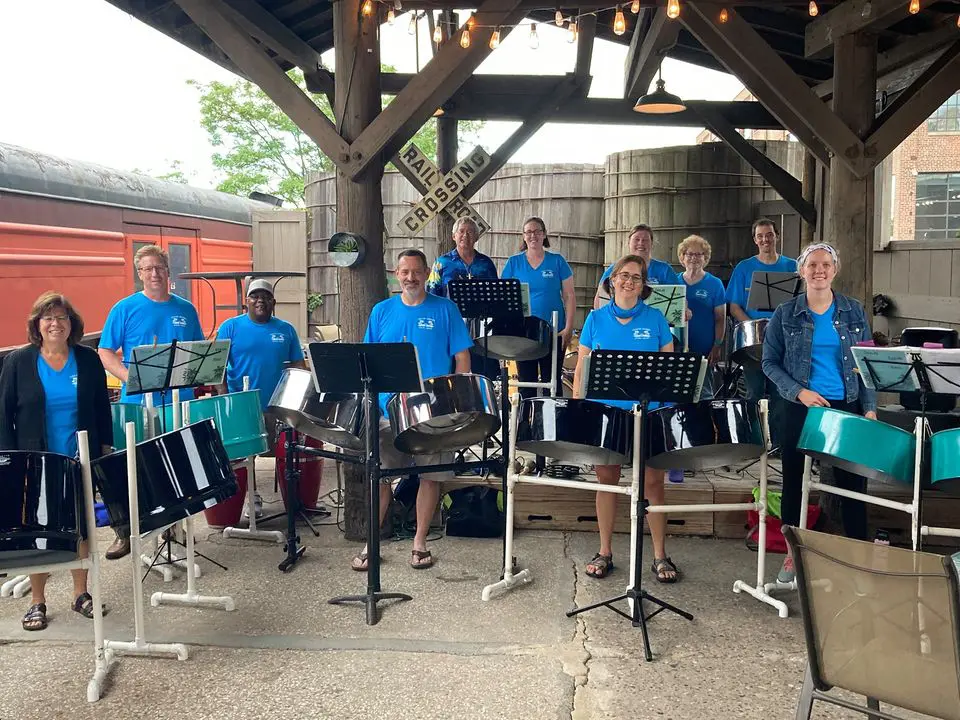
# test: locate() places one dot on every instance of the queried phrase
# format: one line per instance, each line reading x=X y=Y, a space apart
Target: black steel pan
x=41 y=508
x=524 y=338
x=703 y=436
x=578 y=431
x=179 y=474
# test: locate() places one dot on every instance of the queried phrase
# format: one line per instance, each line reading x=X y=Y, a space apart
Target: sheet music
x=887 y=368
x=768 y=290
x=188 y=364
x=943 y=369
x=525 y=298
x=671 y=300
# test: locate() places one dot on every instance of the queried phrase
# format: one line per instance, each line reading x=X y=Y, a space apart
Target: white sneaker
x=257 y=507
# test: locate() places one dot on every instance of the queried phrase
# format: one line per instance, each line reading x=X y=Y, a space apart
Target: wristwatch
x=718 y=343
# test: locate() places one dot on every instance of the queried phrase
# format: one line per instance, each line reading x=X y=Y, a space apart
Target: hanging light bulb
x=958 y=21
x=635 y=7
x=397 y=5
x=724 y=15
x=390 y=16
x=619 y=23
x=471 y=21
x=412 y=27
x=812 y=9
x=465 y=38
x=572 y=31
x=673 y=9
x=558 y=18
x=367 y=9
x=437 y=34
x=495 y=39
x=914 y=7
x=534 y=39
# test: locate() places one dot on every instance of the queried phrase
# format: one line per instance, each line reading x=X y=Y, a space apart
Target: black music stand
x=641 y=377
x=768 y=290
x=367 y=368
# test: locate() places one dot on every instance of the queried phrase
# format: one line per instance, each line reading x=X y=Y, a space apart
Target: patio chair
x=880 y=622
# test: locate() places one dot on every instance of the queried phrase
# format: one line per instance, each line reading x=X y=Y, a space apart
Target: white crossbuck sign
x=443 y=191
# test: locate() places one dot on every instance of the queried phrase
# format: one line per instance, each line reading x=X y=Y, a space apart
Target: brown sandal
x=421 y=559
x=662 y=566
x=36 y=617
x=603 y=565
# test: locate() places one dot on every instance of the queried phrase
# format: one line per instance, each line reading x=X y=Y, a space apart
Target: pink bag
x=776 y=543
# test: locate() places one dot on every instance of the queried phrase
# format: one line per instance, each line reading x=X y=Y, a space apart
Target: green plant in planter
x=346 y=245
x=314 y=301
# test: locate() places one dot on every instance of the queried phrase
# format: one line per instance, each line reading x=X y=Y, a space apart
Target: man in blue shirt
x=640 y=242
x=145 y=318
x=436 y=328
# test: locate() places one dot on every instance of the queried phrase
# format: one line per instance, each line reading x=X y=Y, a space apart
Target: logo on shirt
x=278 y=337
x=4 y=460
x=426 y=323
x=652 y=281
x=547 y=273
x=641 y=334
x=701 y=294
x=73 y=379
x=179 y=321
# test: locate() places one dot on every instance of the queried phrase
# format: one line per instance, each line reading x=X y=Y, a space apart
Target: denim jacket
x=788 y=346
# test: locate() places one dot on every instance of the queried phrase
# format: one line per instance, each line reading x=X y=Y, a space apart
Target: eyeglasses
x=529 y=233
x=150 y=269
x=54 y=318
x=627 y=277
x=694 y=255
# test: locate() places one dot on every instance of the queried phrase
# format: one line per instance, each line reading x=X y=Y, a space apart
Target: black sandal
x=603 y=565
x=421 y=559
x=84 y=606
x=359 y=562
x=36 y=617
x=664 y=565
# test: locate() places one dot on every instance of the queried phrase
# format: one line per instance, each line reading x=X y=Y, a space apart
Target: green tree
x=260 y=148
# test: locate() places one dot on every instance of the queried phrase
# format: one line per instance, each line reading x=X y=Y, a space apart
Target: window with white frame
x=947 y=116
x=937 y=206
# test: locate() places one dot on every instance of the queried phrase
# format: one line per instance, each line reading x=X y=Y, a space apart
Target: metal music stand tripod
x=641 y=377
x=368 y=368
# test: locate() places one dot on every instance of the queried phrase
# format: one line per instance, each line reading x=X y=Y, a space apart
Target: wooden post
x=447 y=149
x=850 y=203
x=808 y=190
x=359 y=206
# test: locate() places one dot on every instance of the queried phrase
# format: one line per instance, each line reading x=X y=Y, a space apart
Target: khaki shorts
x=390 y=457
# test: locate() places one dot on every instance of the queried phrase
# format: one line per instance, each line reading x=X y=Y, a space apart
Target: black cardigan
x=22 y=401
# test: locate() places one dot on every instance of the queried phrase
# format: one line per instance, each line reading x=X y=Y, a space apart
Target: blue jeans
x=758 y=387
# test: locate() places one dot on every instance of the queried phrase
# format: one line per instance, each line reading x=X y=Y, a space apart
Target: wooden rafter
x=272 y=33
x=853 y=16
x=647 y=50
x=442 y=76
x=586 y=35
x=744 y=53
x=212 y=16
x=915 y=104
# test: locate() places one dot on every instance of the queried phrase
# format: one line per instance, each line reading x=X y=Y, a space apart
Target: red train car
x=74 y=227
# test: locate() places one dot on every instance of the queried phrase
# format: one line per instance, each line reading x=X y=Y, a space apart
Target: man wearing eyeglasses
x=145 y=318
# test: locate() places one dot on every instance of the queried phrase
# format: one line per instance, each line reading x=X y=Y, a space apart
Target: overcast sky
x=81 y=79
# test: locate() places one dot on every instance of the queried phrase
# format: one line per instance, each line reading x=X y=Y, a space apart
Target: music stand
x=367 y=368
x=641 y=377
x=671 y=300
x=768 y=290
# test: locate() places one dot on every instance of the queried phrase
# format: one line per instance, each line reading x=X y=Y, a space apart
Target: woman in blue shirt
x=627 y=323
x=551 y=289
x=49 y=390
x=706 y=302
x=806 y=353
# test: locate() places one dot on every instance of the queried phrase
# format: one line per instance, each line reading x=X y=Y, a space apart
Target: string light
x=914 y=7
x=437 y=34
x=471 y=21
x=572 y=31
x=495 y=39
x=724 y=15
x=673 y=9
x=812 y=8
x=367 y=9
x=465 y=38
x=635 y=7
x=534 y=39
x=390 y=16
x=397 y=5
x=619 y=23
x=412 y=27
x=558 y=18
x=958 y=21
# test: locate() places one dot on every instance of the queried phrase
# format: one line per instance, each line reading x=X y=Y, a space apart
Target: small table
x=238 y=276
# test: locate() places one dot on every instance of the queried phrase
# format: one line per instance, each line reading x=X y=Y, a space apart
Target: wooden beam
x=647 y=50
x=212 y=17
x=272 y=33
x=773 y=83
x=432 y=86
x=786 y=185
x=586 y=35
x=915 y=104
x=854 y=16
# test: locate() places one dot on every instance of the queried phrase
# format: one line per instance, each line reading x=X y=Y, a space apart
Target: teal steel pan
x=238 y=417
x=945 y=460
x=147 y=422
x=870 y=448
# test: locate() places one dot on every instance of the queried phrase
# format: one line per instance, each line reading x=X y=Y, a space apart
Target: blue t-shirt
x=137 y=320
x=545 y=283
x=658 y=273
x=647 y=331
x=738 y=289
x=60 y=405
x=435 y=327
x=703 y=297
x=452 y=267
x=258 y=351
x=825 y=360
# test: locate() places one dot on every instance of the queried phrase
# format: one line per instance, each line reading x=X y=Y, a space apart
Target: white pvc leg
x=251 y=531
x=17 y=586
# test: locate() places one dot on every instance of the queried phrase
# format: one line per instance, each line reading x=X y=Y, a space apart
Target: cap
x=261 y=284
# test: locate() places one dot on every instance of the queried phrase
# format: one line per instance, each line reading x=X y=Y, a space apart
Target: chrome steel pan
x=335 y=418
x=578 y=431
x=748 y=341
x=453 y=412
x=525 y=338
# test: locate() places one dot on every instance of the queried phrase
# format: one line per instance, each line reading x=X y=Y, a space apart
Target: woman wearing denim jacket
x=806 y=353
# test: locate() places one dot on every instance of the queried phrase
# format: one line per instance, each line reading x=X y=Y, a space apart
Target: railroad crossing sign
x=443 y=193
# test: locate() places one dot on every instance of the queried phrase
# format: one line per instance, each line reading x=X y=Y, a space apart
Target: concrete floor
x=285 y=653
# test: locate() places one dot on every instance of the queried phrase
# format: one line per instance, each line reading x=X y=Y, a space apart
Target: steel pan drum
x=146 y=420
x=239 y=419
x=453 y=412
x=179 y=474
x=945 y=461
x=41 y=508
x=584 y=432
x=703 y=436
x=524 y=338
x=335 y=418
x=748 y=341
x=870 y=448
